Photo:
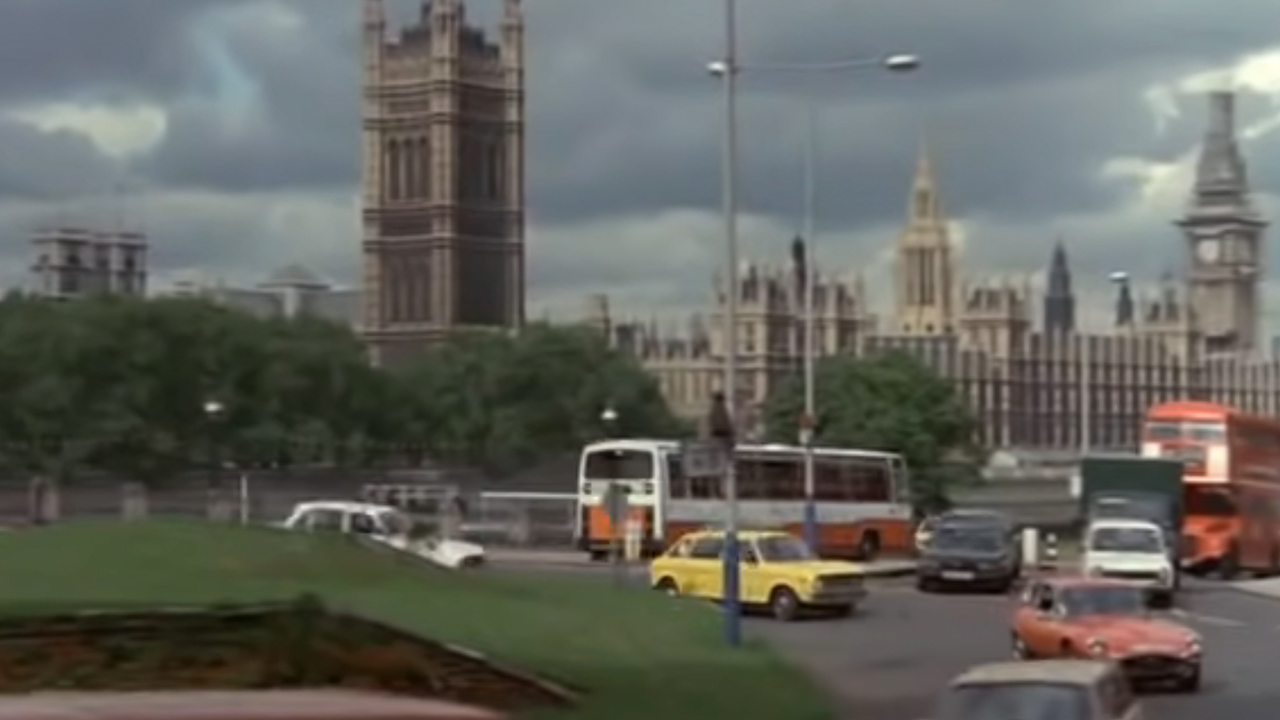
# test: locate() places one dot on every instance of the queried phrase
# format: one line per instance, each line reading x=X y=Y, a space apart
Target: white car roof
x=1125 y=524
x=348 y=506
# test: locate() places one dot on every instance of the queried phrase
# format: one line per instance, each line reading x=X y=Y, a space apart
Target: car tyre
x=1020 y=649
x=1190 y=684
x=784 y=604
x=668 y=587
x=924 y=584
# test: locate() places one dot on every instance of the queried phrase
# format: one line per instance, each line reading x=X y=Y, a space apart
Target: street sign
x=615 y=502
x=703 y=458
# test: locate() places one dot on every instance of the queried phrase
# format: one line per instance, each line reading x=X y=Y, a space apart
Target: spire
x=1059 y=272
x=925 y=206
x=799 y=265
x=1221 y=178
x=375 y=14
x=1124 y=306
x=1059 y=301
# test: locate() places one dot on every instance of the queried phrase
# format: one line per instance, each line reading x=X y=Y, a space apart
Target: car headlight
x=817 y=585
x=1166 y=574
x=1192 y=648
x=1097 y=646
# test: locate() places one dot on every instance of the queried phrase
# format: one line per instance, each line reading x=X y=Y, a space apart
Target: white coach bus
x=861 y=496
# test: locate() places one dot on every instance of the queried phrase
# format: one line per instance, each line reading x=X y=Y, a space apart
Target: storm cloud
x=1026 y=109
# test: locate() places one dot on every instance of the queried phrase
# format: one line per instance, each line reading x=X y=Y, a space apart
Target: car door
x=706 y=567
x=1042 y=623
x=753 y=575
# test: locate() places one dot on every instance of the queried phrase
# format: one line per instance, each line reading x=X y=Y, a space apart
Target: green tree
x=502 y=401
x=888 y=401
x=47 y=381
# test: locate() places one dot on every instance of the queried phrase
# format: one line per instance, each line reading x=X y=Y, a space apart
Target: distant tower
x=443 y=186
x=1125 y=306
x=1059 y=301
x=1224 y=235
x=75 y=262
x=926 y=261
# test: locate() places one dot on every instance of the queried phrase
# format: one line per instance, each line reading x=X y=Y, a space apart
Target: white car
x=1129 y=550
x=383 y=524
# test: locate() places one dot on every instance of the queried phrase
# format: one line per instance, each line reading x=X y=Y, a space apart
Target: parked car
x=384 y=524
x=1048 y=690
x=779 y=573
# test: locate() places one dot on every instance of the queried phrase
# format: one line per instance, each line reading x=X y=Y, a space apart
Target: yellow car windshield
x=783 y=548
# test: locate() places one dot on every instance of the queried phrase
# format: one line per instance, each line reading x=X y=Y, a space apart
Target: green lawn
x=633 y=653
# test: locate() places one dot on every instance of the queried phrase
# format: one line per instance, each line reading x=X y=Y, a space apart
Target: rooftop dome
x=294 y=276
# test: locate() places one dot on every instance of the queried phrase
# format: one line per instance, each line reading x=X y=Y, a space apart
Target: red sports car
x=1104 y=619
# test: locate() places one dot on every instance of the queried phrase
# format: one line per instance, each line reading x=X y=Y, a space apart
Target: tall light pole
x=894 y=63
x=1118 y=278
x=727 y=69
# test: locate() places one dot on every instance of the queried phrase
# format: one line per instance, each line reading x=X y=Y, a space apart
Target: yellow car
x=779 y=572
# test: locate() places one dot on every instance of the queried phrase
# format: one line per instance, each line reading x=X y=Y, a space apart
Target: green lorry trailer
x=1141 y=488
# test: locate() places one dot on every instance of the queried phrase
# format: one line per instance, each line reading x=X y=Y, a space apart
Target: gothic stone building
x=1025 y=373
x=443 y=187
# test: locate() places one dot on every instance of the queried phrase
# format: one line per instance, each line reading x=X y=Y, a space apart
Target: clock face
x=1209 y=250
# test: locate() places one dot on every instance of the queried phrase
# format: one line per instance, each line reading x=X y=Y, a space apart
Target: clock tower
x=1224 y=235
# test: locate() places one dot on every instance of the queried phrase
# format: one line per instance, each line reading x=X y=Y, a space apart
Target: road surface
x=888 y=663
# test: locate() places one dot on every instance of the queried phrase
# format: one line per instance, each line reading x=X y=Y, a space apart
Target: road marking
x=1208 y=619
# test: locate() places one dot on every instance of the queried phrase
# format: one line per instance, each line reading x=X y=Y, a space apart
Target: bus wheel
x=784 y=604
x=1229 y=565
x=869 y=545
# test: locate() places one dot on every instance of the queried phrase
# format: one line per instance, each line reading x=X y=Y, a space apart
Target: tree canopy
x=887 y=401
x=122 y=385
x=501 y=401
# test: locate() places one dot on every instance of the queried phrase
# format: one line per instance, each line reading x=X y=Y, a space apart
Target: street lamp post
x=727 y=70
x=213 y=412
x=1120 y=279
x=609 y=419
x=894 y=63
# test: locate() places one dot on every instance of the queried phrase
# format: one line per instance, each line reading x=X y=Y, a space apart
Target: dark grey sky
x=1023 y=105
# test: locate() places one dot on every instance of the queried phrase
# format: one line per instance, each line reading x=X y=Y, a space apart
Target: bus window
x=830 y=482
x=870 y=481
x=901 y=480
x=770 y=478
x=1163 y=431
x=750 y=479
x=783 y=478
x=677 y=483
x=705 y=488
x=1206 y=432
x=618 y=464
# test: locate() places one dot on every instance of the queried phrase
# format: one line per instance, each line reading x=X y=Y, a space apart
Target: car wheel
x=1190 y=684
x=784 y=604
x=924 y=584
x=668 y=587
x=1020 y=649
x=471 y=562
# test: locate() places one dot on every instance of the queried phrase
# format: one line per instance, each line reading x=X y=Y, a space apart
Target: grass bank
x=633 y=654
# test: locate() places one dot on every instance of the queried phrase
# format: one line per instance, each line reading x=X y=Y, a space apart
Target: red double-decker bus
x=1231 y=484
